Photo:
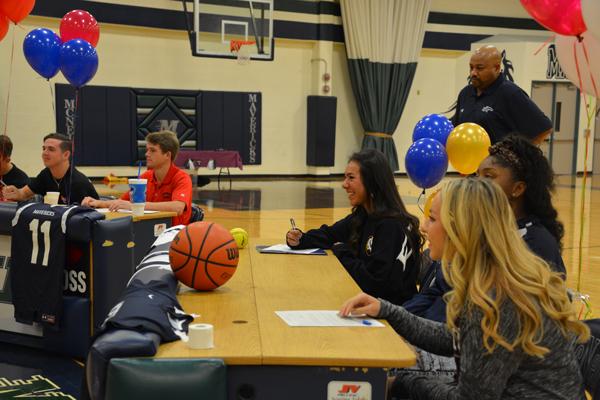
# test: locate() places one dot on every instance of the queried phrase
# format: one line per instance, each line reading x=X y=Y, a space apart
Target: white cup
x=200 y=336
x=137 y=195
x=52 y=198
x=137 y=209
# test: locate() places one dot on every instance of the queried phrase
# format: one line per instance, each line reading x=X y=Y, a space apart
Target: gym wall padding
x=102 y=124
x=110 y=123
x=320 y=131
x=232 y=121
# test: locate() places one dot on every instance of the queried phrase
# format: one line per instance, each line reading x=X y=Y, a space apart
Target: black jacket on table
x=383 y=266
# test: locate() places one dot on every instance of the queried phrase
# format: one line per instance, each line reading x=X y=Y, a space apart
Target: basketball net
x=241 y=48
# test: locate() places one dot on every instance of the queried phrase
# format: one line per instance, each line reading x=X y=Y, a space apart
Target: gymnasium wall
x=137 y=56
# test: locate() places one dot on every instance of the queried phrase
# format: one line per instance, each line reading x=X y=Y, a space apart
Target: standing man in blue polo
x=497 y=104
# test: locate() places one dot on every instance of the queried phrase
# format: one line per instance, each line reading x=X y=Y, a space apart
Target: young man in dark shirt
x=10 y=174
x=58 y=176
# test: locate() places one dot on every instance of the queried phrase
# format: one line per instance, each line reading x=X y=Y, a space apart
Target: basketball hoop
x=241 y=48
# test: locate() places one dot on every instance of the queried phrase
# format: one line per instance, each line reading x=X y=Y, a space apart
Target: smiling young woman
x=379 y=243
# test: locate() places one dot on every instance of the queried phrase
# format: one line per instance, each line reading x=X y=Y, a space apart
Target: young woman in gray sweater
x=510 y=324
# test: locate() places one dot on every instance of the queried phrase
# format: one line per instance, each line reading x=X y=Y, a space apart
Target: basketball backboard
x=223 y=27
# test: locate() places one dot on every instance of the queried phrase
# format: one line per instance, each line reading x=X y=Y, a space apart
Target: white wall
x=155 y=58
x=159 y=58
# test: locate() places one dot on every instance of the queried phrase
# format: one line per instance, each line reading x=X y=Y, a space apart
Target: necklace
x=57 y=182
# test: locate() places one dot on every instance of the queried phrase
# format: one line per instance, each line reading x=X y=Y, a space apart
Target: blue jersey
x=38 y=258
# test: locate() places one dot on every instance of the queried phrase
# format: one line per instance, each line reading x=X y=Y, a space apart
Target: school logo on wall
x=252 y=125
x=554 y=71
x=69 y=111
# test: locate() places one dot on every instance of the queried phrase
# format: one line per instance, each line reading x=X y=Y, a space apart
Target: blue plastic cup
x=137 y=195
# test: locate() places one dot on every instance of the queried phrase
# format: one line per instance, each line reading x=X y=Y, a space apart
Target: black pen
x=293 y=224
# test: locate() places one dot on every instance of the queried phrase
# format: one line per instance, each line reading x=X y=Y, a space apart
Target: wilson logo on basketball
x=232 y=253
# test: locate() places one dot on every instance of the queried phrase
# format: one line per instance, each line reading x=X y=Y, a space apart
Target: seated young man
x=10 y=174
x=58 y=176
x=169 y=188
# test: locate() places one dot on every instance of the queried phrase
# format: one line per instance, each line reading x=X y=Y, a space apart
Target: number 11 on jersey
x=45 y=229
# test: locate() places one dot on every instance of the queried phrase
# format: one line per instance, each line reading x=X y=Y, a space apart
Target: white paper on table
x=105 y=210
x=324 y=318
x=284 y=248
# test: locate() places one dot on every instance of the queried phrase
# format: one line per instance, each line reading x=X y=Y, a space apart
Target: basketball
x=204 y=255
x=240 y=236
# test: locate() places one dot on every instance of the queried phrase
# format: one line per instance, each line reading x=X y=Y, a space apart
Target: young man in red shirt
x=169 y=188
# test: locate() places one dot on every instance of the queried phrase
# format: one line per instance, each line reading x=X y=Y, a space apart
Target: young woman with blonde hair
x=510 y=324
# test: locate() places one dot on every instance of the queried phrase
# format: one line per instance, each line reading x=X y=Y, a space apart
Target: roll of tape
x=200 y=336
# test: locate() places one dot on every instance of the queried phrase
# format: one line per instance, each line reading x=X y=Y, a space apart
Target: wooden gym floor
x=263 y=208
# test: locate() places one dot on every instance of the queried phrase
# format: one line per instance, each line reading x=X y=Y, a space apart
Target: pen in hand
x=294 y=234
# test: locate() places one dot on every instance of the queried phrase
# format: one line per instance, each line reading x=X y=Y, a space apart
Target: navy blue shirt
x=429 y=302
x=503 y=108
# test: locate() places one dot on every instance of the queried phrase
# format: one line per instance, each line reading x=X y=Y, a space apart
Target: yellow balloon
x=240 y=236
x=467 y=146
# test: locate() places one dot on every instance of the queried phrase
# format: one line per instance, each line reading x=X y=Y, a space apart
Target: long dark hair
x=527 y=163
x=378 y=179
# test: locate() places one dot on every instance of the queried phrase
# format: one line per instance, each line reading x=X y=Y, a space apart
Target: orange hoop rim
x=235 y=45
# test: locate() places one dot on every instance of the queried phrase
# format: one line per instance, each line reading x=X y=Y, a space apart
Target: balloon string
x=587 y=107
x=52 y=101
x=551 y=38
x=587 y=60
x=73 y=144
x=589 y=115
x=582 y=208
x=10 y=61
x=419 y=201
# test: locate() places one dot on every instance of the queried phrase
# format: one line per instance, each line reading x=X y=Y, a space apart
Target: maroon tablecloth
x=222 y=158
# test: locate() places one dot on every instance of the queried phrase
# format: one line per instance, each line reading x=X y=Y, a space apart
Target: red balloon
x=79 y=24
x=3 y=26
x=560 y=16
x=16 y=10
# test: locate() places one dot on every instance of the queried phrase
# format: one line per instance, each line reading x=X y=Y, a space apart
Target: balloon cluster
x=436 y=141
x=577 y=40
x=15 y=11
x=73 y=53
x=426 y=160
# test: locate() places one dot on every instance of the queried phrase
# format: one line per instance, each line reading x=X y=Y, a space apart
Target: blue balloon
x=78 y=61
x=41 y=48
x=426 y=162
x=434 y=126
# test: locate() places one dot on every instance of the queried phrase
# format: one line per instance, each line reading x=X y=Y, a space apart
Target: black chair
x=588 y=355
x=197 y=214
